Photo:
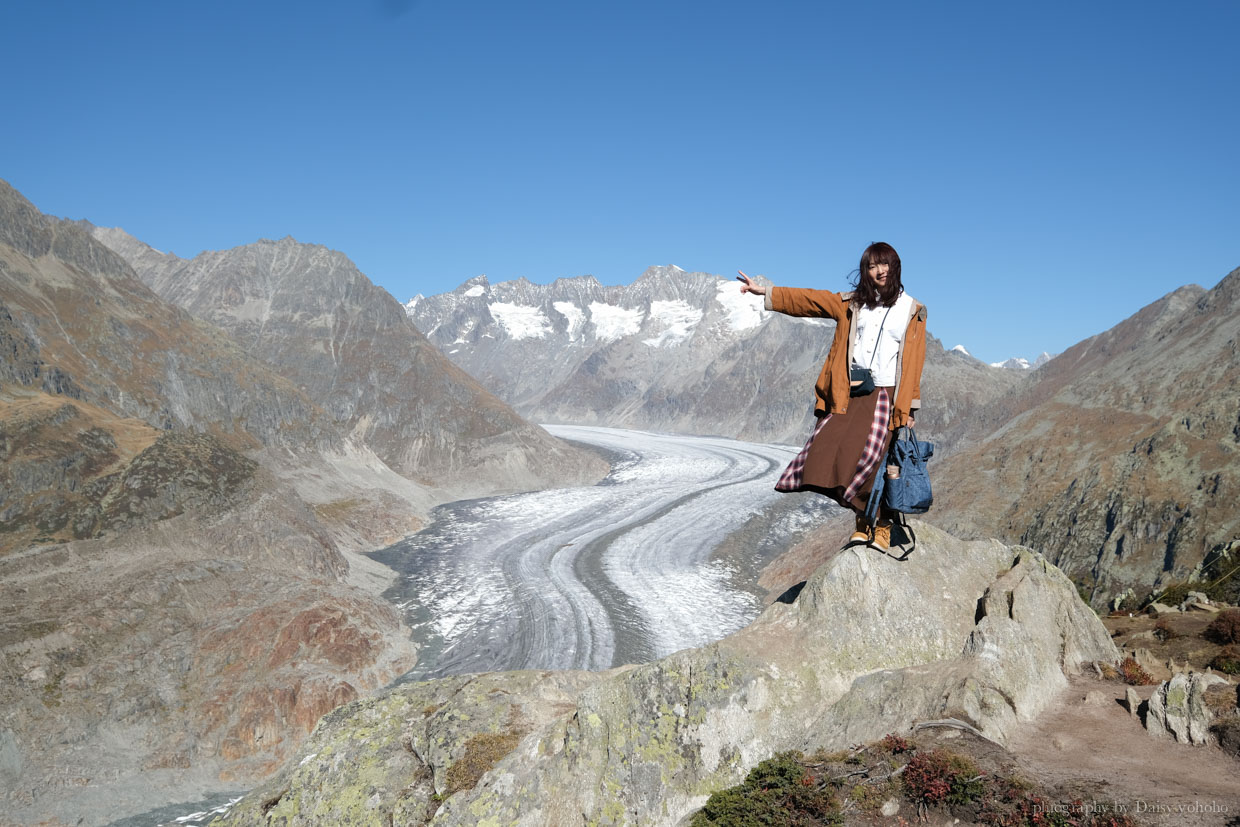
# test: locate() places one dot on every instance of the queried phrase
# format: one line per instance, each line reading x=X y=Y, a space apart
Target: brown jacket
x=832 y=386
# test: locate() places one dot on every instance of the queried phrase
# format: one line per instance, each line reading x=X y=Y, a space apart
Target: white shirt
x=885 y=351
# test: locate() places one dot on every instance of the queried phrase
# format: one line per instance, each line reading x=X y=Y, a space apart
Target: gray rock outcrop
x=977 y=631
x=1178 y=708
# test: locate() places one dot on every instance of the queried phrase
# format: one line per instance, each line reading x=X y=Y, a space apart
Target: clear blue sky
x=1043 y=168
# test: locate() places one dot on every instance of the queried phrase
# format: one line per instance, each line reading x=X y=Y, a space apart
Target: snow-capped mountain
x=1020 y=363
x=673 y=351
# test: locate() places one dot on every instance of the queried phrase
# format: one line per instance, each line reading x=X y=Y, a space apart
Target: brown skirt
x=843 y=453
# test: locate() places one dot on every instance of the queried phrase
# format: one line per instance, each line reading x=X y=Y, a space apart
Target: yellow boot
x=862 y=534
x=882 y=535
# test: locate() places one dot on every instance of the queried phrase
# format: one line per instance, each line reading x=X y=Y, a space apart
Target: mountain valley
x=181 y=514
x=201 y=456
x=1113 y=457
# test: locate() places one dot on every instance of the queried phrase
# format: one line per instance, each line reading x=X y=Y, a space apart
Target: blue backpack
x=910 y=493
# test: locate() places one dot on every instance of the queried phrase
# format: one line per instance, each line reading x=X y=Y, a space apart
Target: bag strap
x=878 y=339
x=880 y=481
x=871 y=516
x=876 y=493
x=902 y=521
x=876 y=498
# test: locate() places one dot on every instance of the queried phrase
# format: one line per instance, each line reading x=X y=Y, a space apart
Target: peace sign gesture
x=748 y=286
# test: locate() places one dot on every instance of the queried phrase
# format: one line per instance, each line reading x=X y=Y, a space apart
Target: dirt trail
x=1102 y=753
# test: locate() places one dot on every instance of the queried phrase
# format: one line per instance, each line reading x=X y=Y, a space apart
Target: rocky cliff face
x=1120 y=458
x=349 y=346
x=995 y=631
x=673 y=351
x=179 y=600
x=75 y=321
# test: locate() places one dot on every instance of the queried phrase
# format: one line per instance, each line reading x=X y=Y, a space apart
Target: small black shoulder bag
x=861 y=380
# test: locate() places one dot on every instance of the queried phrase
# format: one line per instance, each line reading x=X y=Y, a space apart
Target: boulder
x=1132 y=701
x=976 y=631
x=1096 y=697
x=1178 y=708
x=1198 y=602
x=1160 y=609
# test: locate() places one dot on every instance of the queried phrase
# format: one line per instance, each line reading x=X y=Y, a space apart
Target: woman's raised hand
x=747 y=285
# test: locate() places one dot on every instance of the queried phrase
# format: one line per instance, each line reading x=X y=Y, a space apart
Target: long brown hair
x=880 y=252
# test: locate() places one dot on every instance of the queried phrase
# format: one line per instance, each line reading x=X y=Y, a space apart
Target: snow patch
x=476 y=290
x=521 y=321
x=611 y=322
x=961 y=349
x=744 y=310
x=576 y=318
x=679 y=319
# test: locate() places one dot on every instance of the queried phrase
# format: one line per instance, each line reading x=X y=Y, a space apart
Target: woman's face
x=877 y=274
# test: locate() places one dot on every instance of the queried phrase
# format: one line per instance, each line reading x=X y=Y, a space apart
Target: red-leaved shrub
x=942 y=777
x=1133 y=674
x=895 y=744
x=1225 y=628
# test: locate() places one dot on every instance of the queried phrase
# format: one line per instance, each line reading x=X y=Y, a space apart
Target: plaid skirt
x=843 y=452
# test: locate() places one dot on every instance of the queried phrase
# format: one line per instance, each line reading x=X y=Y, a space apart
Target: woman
x=880 y=329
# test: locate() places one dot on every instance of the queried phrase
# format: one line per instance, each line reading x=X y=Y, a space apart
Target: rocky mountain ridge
x=349 y=346
x=1118 y=458
x=673 y=351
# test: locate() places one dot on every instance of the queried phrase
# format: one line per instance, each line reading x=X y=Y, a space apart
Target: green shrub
x=1174 y=594
x=870 y=796
x=1220 y=579
x=1227 y=661
x=779 y=791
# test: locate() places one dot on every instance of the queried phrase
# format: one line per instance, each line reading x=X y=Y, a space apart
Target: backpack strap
x=902 y=521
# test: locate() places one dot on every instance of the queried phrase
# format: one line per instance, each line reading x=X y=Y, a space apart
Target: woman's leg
x=863 y=532
x=882 y=528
